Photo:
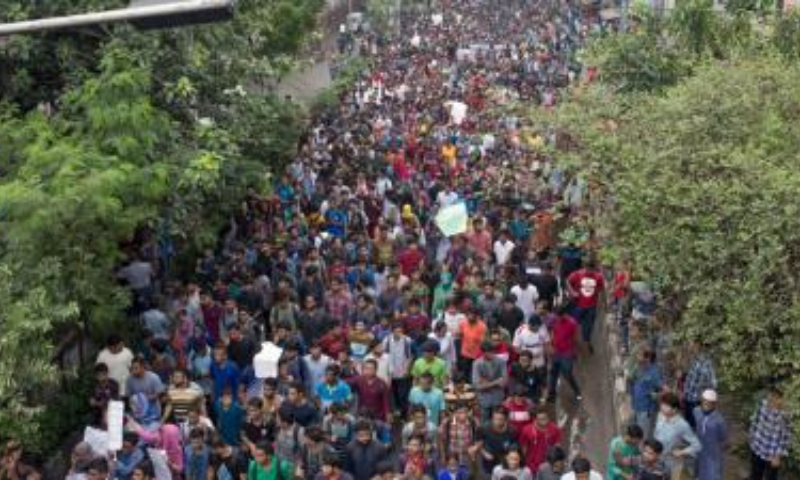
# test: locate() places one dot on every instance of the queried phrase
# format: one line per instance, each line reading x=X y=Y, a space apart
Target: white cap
x=710 y=396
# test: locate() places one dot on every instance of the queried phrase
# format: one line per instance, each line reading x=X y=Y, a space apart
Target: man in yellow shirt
x=449 y=151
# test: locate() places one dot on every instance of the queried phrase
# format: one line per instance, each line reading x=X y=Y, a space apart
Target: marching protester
x=408 y=271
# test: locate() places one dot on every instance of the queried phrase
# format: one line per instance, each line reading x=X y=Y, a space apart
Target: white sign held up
x=265 y=363
x=115 y=418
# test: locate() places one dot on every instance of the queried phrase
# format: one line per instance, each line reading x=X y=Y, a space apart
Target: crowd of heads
x=383 y=320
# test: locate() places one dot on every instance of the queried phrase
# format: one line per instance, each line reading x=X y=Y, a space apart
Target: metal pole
x=624 y=17
x=398 y=16
x=115 y=16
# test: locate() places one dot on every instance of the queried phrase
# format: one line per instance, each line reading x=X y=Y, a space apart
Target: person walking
x=534 y=338
x=373 y=394
x=770 y=436
x=713 y=434
x=118 y=358
x=364 y=453
x=471 y=333
x=585 y=287
x=398 y=348
x=526 y=296
x=538 y=437
x=646 y=383
x=489 y=376
x=565 y=333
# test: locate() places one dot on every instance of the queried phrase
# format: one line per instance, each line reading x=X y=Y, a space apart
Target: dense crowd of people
x=406 y=353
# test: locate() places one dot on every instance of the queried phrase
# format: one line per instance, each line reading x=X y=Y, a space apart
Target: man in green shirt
x=430 y=363
x=265 y=465
x=623 y=452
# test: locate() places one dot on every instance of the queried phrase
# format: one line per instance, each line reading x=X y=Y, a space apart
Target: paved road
x=305 y=84
x=590 y=425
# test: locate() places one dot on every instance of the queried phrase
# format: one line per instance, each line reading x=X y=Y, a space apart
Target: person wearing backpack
x=398 y=349
x=265 y=465
x=289 y=438
x=314 y=453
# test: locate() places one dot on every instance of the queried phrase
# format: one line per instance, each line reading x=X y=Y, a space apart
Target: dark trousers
x=761 y=469
x=540 y=378
x=401 y=388
x=688 y=411
x=465 y=367
x=562 y=367
x=586 y=318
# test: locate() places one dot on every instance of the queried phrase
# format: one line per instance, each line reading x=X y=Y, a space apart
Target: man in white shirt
x=452 y=317
x=138 y=274
x=503 y=247
x=582 y=470
x=118 y=359
x=383 y=185
x=447 y=197
x=532 y=336
x=526 y=295
x=315 y=362
x=382 y=360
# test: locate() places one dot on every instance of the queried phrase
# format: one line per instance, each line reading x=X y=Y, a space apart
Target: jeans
x=401 y=387
x=586 y=317
x=761 y=469
x=562 y=367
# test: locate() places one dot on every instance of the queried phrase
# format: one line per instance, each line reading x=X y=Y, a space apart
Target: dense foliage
x=660 y=51
x=110 y=135
x=701 y=176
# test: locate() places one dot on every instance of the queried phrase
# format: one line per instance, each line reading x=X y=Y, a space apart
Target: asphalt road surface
x=589 y=425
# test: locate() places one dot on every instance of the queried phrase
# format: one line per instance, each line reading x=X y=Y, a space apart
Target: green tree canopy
x=105 y=132
x=704 y=182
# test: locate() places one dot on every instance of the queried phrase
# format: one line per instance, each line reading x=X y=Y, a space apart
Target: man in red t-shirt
x=519 y=408
x=537 y=438
x=410 y=260
x=585 y=286
x=564 y=341
x=480 y=240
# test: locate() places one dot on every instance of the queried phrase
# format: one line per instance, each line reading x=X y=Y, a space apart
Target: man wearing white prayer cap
x=713 y=434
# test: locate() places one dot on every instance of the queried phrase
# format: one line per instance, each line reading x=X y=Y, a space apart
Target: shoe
x=579 y=398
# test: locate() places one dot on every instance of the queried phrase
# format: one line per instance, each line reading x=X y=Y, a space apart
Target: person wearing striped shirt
x=182 y=396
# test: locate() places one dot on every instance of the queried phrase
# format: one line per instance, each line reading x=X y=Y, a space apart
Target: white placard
x=160 y=465
x=97 y=439
x=437 y=19
x=116 y=419
x=453 y=219
x=458 y=112
x=265 y=363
